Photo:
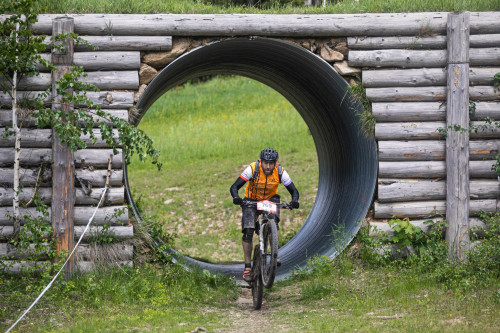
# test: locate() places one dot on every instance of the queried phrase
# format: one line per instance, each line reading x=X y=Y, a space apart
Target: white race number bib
x=267 y=206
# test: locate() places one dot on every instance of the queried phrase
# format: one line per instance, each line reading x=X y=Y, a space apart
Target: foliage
x=430 y=255
x=367 y=121
x=496 y=80
x=21 y=55
x=405 y=233
x=315 y=266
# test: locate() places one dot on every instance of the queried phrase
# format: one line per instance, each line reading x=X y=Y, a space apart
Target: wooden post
x=457 y=141
x=63 y=168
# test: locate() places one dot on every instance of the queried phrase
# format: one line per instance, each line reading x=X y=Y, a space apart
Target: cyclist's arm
x=242 y=179
x=287 y=182
x=293 y=191
x=236 y=186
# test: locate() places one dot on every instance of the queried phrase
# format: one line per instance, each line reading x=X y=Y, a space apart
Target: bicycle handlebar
x=285 y=205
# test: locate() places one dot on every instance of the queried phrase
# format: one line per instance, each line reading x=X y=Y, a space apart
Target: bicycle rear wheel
x=270 y=254
x=257 y=285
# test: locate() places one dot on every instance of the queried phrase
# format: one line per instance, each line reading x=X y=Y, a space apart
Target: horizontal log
x=105 y=99
x=114 y=215
x=428 y=94
x=431 y=169
x=378 y=24
x=122 y=43
x=397 y=190
x=127 y=43
x=93 y=178
x=429 y=131
x=7 y=231
x=428 y=111
x=97 y=178
x=119 y=232
x=42 y=138
x=85 y=158
x=422 y=77
x=419 y=58
x=407 y=94
x=89 y=266
x=10 y=252
x=424 y=209
x=111 y=80
x=29 y=156
x=378 y=229
x=114 y=196
x=30 y=121
x=409 y=131
x=16 y=267
x=27 y=176
x=83 y=252
x=104 y=215
x=431 y=150
x=108 y=252
x=417 y=42
x=97 y=158
x=102 y=61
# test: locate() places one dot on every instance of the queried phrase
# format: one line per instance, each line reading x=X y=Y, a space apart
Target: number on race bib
x=267 y=206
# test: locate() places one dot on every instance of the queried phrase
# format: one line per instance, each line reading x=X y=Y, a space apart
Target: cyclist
x=263 y=178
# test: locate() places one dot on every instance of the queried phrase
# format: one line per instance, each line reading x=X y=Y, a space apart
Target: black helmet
x=269 y=154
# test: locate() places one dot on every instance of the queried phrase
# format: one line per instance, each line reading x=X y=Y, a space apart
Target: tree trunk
x=17 y=153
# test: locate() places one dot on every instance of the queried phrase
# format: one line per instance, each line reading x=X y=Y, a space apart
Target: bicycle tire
x=270 y=254
x=257 y=285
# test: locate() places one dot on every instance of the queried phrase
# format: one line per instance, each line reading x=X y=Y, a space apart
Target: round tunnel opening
x=347 y=159
x=209 y=130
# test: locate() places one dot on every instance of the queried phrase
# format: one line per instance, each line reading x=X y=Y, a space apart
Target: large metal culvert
x=347 y=159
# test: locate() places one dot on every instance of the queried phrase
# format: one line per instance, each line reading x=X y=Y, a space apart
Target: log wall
x=401 y=59
x=405 y=79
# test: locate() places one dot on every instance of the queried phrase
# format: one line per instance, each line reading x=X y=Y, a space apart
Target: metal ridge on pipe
x=347 y=159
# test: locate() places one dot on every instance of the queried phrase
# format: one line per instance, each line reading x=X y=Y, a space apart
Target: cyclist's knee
x=247 y=235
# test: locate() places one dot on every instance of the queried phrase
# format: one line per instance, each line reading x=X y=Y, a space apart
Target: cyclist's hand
x=237 y=201
x=294 y=204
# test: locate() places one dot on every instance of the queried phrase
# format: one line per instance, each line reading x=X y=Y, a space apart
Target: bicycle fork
x=261 y=237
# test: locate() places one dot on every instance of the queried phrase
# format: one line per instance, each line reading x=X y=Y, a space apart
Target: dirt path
x=242 y=318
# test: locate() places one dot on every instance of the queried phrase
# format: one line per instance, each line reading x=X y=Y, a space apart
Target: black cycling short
x=249 y=214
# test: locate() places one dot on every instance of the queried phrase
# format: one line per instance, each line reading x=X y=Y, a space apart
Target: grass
x=349 y=296
x=340 y=296
x=154 y=298
x=207 y=133
x=206 y=6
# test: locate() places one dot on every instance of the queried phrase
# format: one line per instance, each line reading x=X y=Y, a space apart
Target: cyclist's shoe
x=247 y=274
x=278 y=262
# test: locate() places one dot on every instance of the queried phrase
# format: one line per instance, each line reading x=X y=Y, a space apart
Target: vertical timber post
x=63 y=168
x=457 y=141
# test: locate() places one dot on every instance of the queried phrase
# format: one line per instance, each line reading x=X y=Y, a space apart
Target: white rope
x=60 y=270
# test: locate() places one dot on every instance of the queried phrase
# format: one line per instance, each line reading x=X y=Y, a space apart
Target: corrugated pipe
x=347 y=159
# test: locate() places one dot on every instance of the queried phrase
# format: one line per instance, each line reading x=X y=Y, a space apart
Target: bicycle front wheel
x=257 y=285
x=270 y=254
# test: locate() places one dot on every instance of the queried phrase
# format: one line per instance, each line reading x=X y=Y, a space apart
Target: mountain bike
x=265 y=254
